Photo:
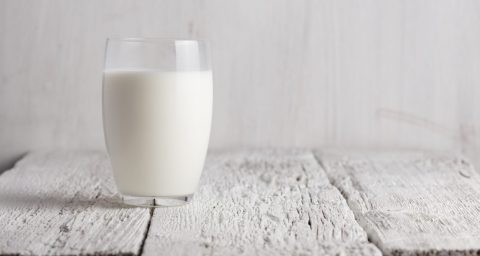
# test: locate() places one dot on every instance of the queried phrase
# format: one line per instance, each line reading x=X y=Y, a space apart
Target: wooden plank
x=262 y=203
x=65 y=203
x=411 y=203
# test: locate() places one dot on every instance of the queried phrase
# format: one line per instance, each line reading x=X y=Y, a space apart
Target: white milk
x=157 y=127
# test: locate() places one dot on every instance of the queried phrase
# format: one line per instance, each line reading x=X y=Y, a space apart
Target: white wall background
x=305 y=73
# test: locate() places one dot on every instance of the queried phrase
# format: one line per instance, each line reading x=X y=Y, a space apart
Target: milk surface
x=157 y=127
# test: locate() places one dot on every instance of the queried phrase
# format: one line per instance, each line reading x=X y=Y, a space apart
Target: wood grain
x=411 y=203
x=66 y=204
x=304 y=73
x=260 y=203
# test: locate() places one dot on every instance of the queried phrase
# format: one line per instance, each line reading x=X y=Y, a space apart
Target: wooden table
x=270 y=202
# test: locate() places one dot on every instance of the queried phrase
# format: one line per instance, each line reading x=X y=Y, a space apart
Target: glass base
x=157 y=201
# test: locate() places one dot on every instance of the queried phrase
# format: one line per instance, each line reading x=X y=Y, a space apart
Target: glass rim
x=156 y=39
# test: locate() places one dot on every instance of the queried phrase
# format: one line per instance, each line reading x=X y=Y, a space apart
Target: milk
x=157 y=127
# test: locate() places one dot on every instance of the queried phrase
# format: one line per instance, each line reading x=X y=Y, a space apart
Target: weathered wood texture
x=411 y=203
x=303 y=73
x=64 y=203
x=263 y=203
x=260 y=202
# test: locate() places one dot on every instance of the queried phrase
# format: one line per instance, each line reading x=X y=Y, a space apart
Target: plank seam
x=145 y=235
x=369 y=239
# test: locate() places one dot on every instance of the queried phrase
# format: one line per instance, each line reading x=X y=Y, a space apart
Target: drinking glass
x=157 y=110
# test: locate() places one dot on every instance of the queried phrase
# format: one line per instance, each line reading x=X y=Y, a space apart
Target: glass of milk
x=157 y=111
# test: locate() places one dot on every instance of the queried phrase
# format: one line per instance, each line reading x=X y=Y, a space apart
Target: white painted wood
x=260 y=203
x=65 y=204
x=302 y=73
x=411 y=203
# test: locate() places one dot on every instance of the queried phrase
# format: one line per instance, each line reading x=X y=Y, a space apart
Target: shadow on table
x=76 y=201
